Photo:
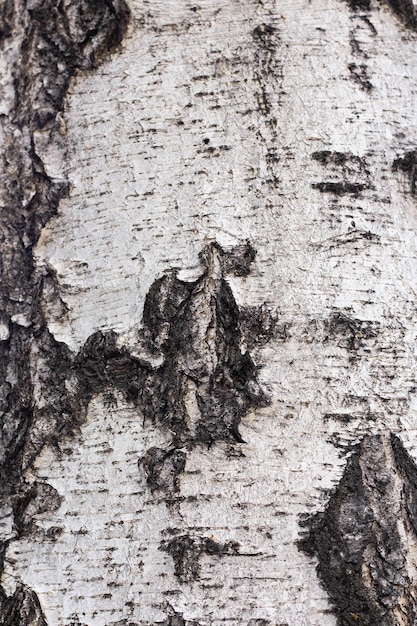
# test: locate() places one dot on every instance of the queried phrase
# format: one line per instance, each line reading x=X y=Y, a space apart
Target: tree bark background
x=208 y=312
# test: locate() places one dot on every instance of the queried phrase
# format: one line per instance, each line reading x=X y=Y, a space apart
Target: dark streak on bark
x=264 y=622
x=362 y=539
x=266 y=38
x=186 y=552
x=339 y=188
x=22 y=609
x=403 y=9
x=359 y=71
x=407 y=164
x=268 y=76
x=350 y=171
x=349 y=333
x=53 y=41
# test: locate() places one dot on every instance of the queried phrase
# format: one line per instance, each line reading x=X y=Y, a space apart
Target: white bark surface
x=198 y=131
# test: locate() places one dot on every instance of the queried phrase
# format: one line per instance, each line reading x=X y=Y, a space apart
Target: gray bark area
x=190 y=343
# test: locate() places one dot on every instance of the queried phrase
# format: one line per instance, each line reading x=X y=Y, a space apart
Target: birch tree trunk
x=208 y=313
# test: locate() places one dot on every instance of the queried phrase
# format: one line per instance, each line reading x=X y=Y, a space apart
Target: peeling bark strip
x=45 y=43
x=365 y=538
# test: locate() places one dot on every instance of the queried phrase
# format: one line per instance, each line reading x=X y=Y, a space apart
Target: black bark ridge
x=362 y=540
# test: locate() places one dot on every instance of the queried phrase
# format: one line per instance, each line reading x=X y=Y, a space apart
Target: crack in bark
x=365 y=537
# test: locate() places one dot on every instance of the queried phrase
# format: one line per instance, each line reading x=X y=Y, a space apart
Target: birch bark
x=209 y=313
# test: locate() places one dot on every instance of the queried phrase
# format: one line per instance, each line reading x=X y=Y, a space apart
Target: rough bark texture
x=161 y=437
x=45 y=43
x=365 y=539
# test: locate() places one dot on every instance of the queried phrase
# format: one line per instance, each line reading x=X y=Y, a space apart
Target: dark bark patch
x=359 y=5
x=343 y=418
x=238 y=259
x=259 y=325
x=58 y=40
x=347 y=173
x=349 y=333
x=186 y=552
x=194 y=329
x=163 y=469
x=351 y=162
x=407 y=164
x=32 y=500
x=21 y=609
x=197 y=330
x=359 y=73
x=362 y=538
x=405 y=11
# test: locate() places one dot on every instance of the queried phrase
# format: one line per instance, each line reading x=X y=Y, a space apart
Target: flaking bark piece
x=364 y=539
